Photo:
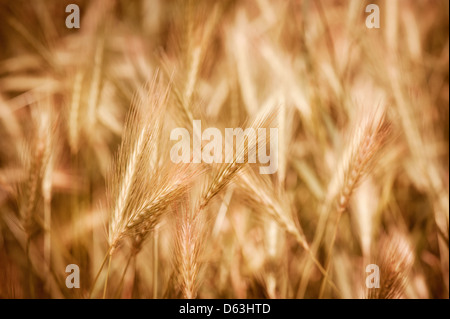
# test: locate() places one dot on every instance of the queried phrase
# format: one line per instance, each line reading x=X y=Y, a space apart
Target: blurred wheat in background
x=363 y=155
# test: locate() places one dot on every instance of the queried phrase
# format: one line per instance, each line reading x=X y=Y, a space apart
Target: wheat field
x=86 y=177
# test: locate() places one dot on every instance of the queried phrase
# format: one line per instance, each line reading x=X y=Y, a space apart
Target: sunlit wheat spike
x=130 y=185
x=189 y=242
x=226 y=172
x=38 y=164
x=368 y=137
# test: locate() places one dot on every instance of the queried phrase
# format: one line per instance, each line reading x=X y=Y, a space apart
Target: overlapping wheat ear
x=189 y=242
x=263 y=196
x=369 y=134
x=138 y=193
x=192 y=221
x=131 y=186
x=37 y=184
x=222 y=175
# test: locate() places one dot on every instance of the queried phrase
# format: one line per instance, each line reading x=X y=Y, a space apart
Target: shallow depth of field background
x=308 y=231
